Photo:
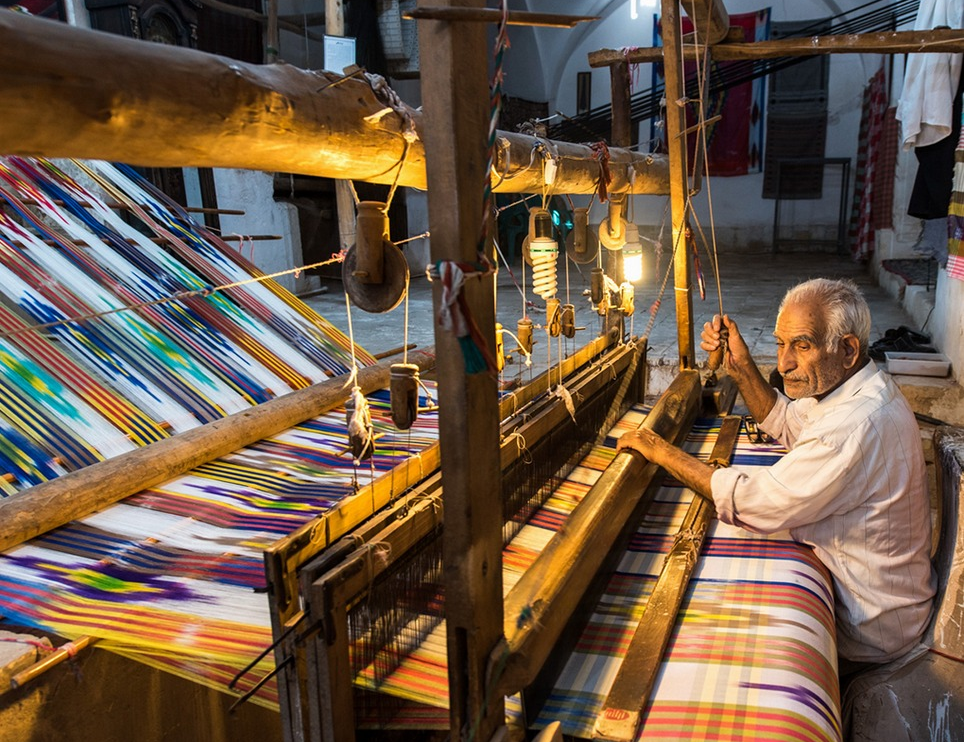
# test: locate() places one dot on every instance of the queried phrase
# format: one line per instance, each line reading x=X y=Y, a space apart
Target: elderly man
x=852 y=485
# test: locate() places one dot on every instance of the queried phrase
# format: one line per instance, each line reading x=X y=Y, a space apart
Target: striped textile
x=955 y=218
x=753 y=654
x=862 y=232
x=173 y=575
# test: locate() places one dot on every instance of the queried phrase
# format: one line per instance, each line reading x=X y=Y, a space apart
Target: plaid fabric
x=883 y=194
x=868 y=152
x=753 y=654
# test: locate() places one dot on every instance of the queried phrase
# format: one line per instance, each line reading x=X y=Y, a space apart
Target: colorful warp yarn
x=81 y=391
x=955 y=218
x=172 y=576
x=753 y=655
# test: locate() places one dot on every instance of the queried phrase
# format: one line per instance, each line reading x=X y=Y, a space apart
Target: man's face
x=808 y=368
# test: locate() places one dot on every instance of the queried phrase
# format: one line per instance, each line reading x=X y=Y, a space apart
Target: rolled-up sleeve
x=812 y=481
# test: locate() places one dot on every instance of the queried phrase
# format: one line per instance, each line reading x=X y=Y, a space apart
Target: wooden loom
x=92 y=134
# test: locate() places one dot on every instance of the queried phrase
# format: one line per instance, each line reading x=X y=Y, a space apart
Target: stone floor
x=752 y=287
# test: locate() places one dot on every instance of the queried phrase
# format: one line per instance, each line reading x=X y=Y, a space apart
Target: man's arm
x=757 y=393
x=686 y=468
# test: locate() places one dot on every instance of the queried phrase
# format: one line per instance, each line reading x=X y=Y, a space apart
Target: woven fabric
x=868 y=153
x=753 y=654
x=882 y=204
x=955 y=218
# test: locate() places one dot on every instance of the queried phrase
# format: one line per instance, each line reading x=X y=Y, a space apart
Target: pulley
x=582 y=245
x=568 y=320
x=403 y=389
x=375 y=272
x=612 y=229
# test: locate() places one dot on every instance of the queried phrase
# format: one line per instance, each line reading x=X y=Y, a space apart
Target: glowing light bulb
x=632 y=255
x=543 y=252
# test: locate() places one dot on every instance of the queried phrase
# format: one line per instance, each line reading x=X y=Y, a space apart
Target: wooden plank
x=883 y=42
x=678 y=181
x=456 y=92
x=630 y=692
x=79 y=493
x=538 y=606
x=99 y=96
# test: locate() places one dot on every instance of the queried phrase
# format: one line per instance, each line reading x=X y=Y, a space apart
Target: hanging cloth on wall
x=930 y=80
x=735 y=142
x=955 y=219
x=868 y=152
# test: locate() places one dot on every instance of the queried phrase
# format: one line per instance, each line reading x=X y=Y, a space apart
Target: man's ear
x=851 y=350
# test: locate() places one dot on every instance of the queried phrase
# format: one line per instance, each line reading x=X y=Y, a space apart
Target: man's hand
x=688 y=469
x=737 y=357
x=643 y=441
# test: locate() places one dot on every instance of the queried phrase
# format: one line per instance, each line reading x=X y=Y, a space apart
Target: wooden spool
x=403 y=387
x=524 y=334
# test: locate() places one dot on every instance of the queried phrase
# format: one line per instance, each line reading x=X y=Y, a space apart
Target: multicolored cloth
x=753 y=655
x=955 y=218
x=172 y=576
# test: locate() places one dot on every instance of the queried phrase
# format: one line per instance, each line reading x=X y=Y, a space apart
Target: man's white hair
x=845 y=310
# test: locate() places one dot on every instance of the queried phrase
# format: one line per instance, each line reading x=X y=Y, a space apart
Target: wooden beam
x=94 y=95
x=678 y=181
x=629 y=695
x=456 y=92
x=79 y=493
x=538 y=606
x=494 y=15
x=711 y=22
x=890 y=42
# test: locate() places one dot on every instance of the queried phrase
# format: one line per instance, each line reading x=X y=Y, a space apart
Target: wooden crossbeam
x=99 y=96
x=892 y=42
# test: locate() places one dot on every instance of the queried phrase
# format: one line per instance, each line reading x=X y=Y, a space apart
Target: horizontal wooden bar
x=93 y=95
x=494 y=15
x=76 y=494
x=884 y=42
x=539 y=605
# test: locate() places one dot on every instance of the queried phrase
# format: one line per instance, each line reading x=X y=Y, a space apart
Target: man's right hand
x=737 y=354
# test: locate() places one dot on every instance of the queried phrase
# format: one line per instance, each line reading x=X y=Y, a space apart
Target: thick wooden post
x=344 y=201
x=620 y=136
x=676 y=145
x=456 y=104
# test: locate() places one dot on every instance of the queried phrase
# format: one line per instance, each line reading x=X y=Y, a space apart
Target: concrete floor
x=752 y=287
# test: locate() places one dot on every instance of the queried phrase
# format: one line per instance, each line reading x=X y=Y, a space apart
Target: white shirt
x=853 y=487
x=930 y=80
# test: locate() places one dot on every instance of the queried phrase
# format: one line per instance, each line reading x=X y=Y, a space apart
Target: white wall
x=253 y=192
x=744 y=220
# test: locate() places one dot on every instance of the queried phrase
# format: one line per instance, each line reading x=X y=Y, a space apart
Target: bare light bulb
x=543 y=252
x=632 y=255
